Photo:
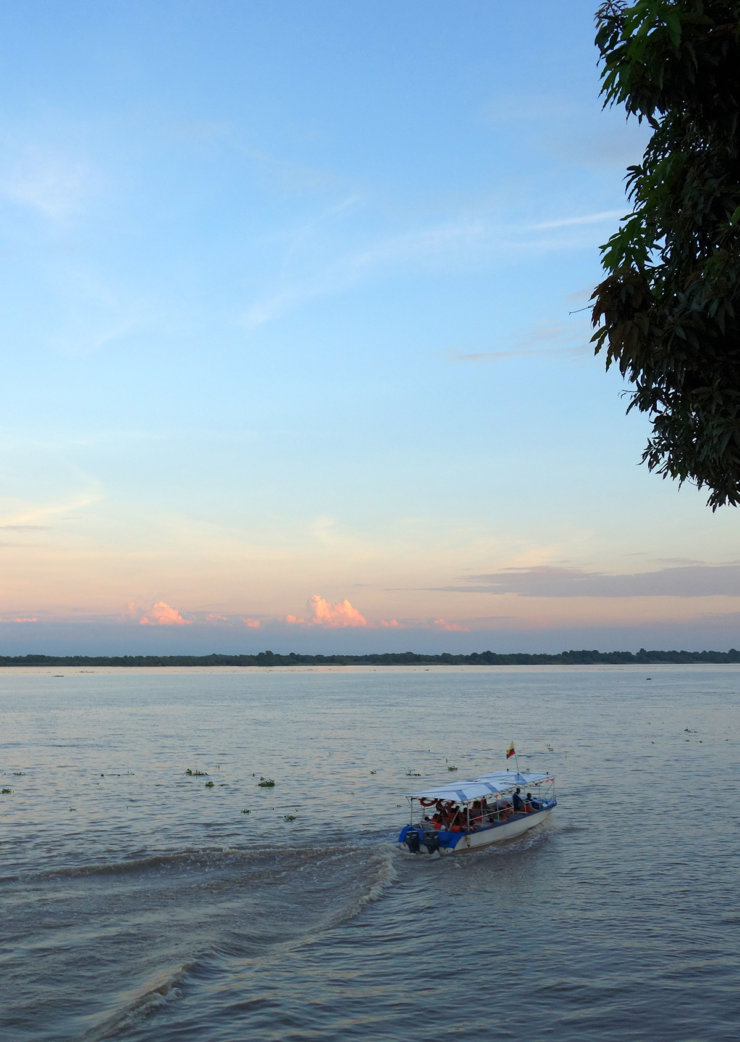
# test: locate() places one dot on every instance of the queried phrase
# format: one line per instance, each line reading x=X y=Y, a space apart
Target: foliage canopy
x=668 y=312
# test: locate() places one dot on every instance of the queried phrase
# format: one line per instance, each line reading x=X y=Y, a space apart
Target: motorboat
x=470 y=814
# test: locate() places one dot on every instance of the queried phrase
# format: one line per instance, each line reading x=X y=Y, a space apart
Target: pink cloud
x=163 y=615
x=328 y=615
x=252 y=624
x=450 y=627
x=390 y=624
x=34 y=619
x=335 y=615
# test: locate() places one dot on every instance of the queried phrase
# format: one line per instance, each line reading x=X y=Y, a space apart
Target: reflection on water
x=141 y=903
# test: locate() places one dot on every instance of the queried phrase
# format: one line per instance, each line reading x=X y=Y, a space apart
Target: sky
x=295 y=339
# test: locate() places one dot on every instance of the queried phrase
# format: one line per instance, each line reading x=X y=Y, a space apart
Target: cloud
x=57 y=186
x=329 y=616
x=252 y=624
x=449 y=243
x=341 y=615
x=587 y=218
x=26 y=520
x=311 y=269
x=93 y=312
x=691 y=580
x=543 y=338
x=450 y=627
x=581 y=132
x=24 y=528
x=164 y=615
x=34 y=619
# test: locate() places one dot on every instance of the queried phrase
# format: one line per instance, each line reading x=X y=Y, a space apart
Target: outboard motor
x=411 y=839
x=431 y=842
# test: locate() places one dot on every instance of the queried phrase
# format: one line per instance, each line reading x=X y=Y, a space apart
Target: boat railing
x=492 y=817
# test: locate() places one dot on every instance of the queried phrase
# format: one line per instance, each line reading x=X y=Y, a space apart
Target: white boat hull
x=419 y=839
x=499 y=833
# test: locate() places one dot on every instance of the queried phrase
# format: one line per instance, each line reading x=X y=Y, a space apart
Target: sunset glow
x=162 y=614
x=286 y=370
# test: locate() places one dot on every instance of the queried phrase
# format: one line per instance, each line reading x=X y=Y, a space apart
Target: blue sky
x=295 y=345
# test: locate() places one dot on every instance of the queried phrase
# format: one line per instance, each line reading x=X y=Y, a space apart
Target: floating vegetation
x=246 y=810
x=6 y=792
x=413 y=774
x=197 y=774
x=451 y=767
x=209 y=784
x=266 y=783
x=373 y=772
x=19 y=774
x=289 y=817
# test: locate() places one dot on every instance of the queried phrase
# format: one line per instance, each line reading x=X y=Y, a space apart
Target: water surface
x=141 y=903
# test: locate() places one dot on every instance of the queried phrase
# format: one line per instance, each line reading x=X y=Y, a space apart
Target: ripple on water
x=140 y=906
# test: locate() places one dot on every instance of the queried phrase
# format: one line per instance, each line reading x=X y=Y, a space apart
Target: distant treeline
x=406 y=658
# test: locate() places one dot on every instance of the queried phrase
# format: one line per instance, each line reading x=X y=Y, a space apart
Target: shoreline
x=269 y=661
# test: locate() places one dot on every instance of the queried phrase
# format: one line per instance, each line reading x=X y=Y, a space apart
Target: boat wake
x=206 y=915
x=139 y=1008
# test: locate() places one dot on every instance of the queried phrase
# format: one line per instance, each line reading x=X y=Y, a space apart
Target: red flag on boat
x=510 y=751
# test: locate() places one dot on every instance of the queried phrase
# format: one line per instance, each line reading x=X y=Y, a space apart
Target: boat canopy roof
x=498 y=783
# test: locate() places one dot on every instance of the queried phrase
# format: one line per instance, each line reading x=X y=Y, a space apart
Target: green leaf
x=673 y=24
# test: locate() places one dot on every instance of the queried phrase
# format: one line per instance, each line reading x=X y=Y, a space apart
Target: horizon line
x=581 y=656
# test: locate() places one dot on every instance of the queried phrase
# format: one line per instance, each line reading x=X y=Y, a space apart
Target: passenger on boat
x=518 y=802
x=535 y=804
x=456 y=822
